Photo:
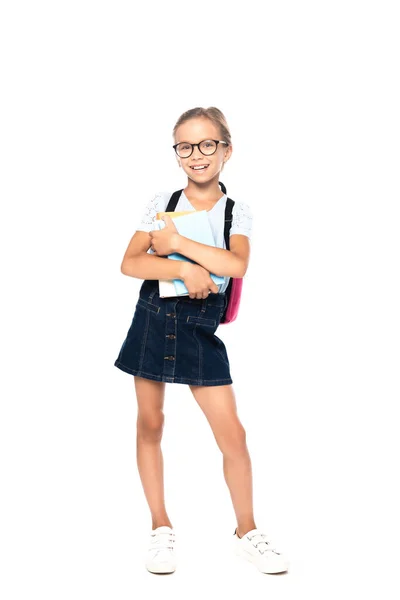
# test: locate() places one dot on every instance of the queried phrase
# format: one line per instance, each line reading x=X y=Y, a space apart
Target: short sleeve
x=242 y=219
x=155 y=205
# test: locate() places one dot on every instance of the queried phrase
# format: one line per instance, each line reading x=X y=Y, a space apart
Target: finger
x=214 y=288
x=169 y=222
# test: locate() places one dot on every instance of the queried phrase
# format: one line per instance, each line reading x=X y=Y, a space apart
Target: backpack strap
x=228 y=220
x=173 y=201
x=227 y=226
x=223 y=188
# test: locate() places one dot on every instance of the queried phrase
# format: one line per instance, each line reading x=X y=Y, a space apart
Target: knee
x=150 y=426
x=236 y=444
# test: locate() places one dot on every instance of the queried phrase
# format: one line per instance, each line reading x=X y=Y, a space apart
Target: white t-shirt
x=241 y=219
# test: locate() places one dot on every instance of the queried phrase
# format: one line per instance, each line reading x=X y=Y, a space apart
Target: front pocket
x=148 y=306
x=201 y=321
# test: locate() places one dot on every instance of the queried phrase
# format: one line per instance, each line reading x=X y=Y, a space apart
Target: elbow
x=242 y=268
x=131 y=264
x=237 y=271
x=126 y=266
x=239 y=266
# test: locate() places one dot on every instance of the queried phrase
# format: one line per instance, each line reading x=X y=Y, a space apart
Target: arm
x=226 y=263
x=137 y=263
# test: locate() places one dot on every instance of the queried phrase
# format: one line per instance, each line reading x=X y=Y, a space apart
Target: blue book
x=196 y=227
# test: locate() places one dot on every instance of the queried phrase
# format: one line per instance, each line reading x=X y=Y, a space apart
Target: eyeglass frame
x=198 y=145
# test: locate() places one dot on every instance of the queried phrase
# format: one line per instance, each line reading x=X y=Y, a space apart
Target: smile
x=199 y=167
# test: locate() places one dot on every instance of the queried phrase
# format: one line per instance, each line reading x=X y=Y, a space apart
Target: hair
x=213 y=114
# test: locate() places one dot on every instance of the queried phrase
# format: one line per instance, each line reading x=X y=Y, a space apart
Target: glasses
x=206 y=147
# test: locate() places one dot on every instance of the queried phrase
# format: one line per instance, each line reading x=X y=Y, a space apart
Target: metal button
x=171 y=315
x=169 y=357
x=171 y=336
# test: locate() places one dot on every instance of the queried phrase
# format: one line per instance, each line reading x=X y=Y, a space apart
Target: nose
x=196 y=153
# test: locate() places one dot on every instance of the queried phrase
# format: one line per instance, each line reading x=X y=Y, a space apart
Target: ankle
x=160 y=523
x=241 y=531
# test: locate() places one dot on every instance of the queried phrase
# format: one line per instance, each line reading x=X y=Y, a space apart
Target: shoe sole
x=249 y=557
x=159 y=569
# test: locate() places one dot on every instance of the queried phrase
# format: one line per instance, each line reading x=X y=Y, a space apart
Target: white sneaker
x=160 y=555
x=259 y=549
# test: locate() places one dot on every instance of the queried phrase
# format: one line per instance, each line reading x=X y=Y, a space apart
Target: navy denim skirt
x=173 y=339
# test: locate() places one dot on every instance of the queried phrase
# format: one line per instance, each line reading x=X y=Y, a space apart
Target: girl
x=172 y=340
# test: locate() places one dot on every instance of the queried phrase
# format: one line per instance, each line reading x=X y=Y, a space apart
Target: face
x=195 y=131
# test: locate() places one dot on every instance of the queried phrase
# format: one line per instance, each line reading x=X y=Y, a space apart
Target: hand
x=198 y=281
x=164 y=242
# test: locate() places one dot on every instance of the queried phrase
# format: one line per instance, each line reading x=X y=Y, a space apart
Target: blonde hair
x=213 y=114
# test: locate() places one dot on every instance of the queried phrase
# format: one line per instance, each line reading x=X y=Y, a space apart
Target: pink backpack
x=234 y=290
x=233 y=295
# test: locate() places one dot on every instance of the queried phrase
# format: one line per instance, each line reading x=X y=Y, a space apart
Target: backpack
x=234 y=290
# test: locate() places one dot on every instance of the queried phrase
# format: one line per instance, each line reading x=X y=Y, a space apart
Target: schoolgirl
x=172 y=340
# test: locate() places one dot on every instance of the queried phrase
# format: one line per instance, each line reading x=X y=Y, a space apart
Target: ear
x=228 y=153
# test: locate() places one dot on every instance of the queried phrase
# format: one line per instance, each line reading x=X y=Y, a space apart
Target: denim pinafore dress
x=173 y=339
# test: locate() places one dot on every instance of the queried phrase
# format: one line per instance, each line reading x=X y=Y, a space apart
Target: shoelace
x=162 y=544
x=262 y=540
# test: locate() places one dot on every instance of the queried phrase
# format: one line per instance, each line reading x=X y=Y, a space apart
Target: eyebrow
x=203 y=140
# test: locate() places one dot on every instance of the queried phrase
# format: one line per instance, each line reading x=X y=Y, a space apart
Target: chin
x=200 y=180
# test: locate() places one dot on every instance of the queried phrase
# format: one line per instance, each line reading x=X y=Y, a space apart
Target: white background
x=90 y=94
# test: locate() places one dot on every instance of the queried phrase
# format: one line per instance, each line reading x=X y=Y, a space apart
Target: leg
x=219 y=406
x=150 y=423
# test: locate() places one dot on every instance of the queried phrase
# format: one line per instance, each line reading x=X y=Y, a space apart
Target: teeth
x=199 y=168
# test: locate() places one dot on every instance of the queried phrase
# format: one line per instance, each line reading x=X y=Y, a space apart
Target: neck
x=204 y=191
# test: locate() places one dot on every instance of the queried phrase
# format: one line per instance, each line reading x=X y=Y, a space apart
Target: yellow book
x=175 y=214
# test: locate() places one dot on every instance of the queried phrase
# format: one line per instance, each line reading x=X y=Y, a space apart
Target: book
x=166 y=287
x=180 y=213
x=195 y=226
